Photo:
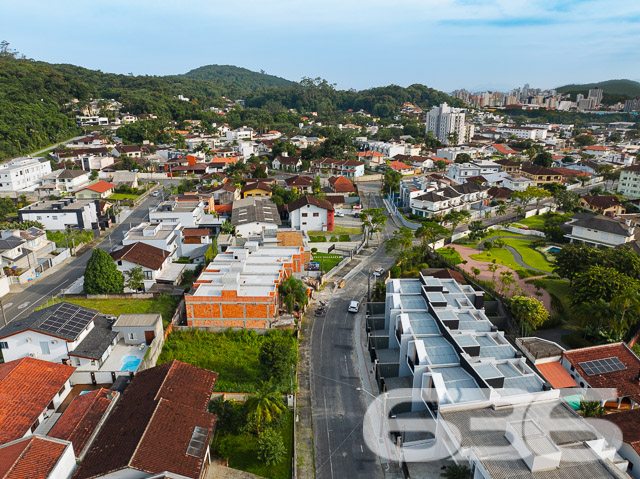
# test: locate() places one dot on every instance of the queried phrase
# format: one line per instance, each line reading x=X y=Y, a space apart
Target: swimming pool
x=553 y=249
x=130 y=363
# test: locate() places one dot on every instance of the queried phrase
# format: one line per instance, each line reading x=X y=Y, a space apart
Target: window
x=132 y=336
x=4 y=345
x=93 y=362
x=38 y=218
x=64 y=386
x=148 y=275
x=304 y=215
x=44 y=345
x=315 y=215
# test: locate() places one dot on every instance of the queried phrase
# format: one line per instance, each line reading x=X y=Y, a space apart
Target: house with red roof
x=31 y=391
x=158 y=425
x=502 y=149
x=402 y=168
x=36 y=457
x=629 y=424
x=342 y=185
x=608 y=205
x=98 y=190
x=156 y=263
x=309 y=213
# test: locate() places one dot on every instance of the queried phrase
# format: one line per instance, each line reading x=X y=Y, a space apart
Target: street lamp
x=382 y=412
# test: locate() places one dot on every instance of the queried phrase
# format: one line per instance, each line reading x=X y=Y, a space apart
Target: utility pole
x=369 y=287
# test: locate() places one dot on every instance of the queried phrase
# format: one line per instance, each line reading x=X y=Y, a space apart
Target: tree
x=227 y=228
x=519 y=211
x=271 y=448
x=101 y=275
x=456 y=217
x=391 y=181
x=627 y=301
x=135 y=278
x=373 y=219
x=567 y=201
x=430 y=232
x=530 y=312
x=260 y=172
x=538 y=194
x=265 y=406
x=293 y=291
x=400 y=242
x=440 y=165
x=457 y=471
x=574 y=259
x=463 y=158
x=277 y=355
x=316 y=186
x=543 y=159
x=591 y=408
x=599 y=283
x=502 y=209
x=477 y=230
x=554 y=188
x=584 y=140
x=93 y=175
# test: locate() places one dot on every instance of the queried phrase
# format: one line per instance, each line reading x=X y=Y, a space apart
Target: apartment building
x=23 y=174
x=459 y=172
x=468 y=196
x=629 y=183
x=448 y=125
x=62 y=214
x=523 y=132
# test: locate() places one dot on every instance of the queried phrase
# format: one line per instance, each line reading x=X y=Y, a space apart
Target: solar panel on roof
x=67 y=319
x=601 y=366
x=198 y=441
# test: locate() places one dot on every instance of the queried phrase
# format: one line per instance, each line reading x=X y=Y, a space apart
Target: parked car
x=354 y=307
x=379 y=271
x=156 y=193
x=340 y=215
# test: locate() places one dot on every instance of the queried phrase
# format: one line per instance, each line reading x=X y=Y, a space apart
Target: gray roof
x=97 y=341
x=64 y=320
x=10 y=242
x=483 y=430
x=252 y=209
x=138 y=320
x=600 y=223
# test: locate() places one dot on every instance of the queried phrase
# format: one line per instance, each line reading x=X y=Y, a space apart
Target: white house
x=599 y=230
x=188 y=213
x=523 y=132
x=23 y=174
x=309 y=213
x=62 y=214
x=450 y=153
x=65 y=180
x=451 y=198
x=461 y=171
x=254 y=214
x=165 y=236
x=155 y=263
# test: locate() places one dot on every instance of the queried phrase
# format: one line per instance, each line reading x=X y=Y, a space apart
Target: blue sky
x=445 y=44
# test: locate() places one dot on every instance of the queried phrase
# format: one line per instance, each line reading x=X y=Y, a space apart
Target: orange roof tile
x=27 y=386
x=100 y=187
x=31 y=458
x=557 y=376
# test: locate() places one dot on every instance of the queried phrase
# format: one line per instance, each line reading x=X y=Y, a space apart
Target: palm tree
x=627 y=301
x=265 y=406
x=591 y=409
x=519 y=211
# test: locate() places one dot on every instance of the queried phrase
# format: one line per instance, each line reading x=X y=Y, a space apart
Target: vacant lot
x=327 y=260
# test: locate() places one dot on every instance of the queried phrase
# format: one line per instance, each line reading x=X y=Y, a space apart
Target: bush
x=344 y=238
x=271 y=448
x=317 y=239
x=526 y=273
x=396 y=271
x=334 y=239
x=488 y=245
x=314 y=250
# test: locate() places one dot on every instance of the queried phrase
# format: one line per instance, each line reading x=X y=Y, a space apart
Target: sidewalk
x=16 y=288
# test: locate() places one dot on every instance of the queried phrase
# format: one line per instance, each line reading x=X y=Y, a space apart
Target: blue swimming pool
x=553 y=249
x=130 y=363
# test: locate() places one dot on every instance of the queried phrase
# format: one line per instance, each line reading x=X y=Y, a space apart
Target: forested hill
x=614 y=90
x=230 y=75
x=33 y=96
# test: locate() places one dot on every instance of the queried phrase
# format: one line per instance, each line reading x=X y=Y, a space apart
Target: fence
x=114 y=296
x=97 y=377
x=368 y=178
x=152 y=354
x=63 y=254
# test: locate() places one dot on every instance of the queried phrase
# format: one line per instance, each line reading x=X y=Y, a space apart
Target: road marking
x=24 y=305
x=328 y=437
x=8 y=305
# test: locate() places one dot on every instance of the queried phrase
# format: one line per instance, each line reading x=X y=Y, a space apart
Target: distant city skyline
x=445 y=44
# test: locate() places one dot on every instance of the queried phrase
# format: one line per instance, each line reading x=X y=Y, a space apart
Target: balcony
x=412 y=366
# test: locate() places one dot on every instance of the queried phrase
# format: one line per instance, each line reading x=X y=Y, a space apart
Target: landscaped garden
x=450 y=254
x=337 y=232
x=165 y=305
x=327 y=261
x=123 y=196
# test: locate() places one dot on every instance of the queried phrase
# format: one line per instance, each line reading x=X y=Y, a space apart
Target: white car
x=156 y=193
x=354 y=307
x=379 y=271
x=339 y=215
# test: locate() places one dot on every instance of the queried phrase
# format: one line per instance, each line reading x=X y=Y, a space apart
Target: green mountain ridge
x=241 y=77
x=615 y=90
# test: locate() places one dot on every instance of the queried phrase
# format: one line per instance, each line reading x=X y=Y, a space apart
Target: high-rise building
x=632 y=105
x=596 y=94
x=447 y=124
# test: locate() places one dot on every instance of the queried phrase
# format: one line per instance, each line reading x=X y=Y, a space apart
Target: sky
x=445 y=44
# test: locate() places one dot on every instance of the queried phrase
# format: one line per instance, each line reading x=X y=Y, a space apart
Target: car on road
x=379 y=271
x=156 y=193
x=354 y=307
x=340 y=215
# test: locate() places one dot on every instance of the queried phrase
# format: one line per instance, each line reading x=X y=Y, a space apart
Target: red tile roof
x=557 y=376
x=340 y=184
x=142 y=254
x=625 y=381
x=309 y=200
x=82 y=417
x=100 y=187
x=399 y=166
x=629 y=424
x=504 y=149
x=196 y=232
x=32 y=458
x=27 y=386
x=147 y=430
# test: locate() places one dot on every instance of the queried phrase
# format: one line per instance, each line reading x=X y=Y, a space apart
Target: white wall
x=65 y=466
x=254 y=228
x=310 y=222
x=26 y=342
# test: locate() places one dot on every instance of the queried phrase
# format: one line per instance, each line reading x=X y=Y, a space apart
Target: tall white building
x=596 y=94
x=448 y=125
x=23 y=173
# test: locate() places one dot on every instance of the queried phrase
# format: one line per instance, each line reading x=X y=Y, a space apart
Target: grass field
x=537 y=222
x=450 y=255
x=327 y=260
x=501 y=255
x=123 y=196
x=337 y=231
x=560 y=289
x=232 y=354
x=165 y=305
x=535 y=259
x=492 y=234
x=243 y=452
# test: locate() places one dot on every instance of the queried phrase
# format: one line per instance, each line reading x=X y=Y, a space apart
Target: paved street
x=19 y=304
x=340 y=365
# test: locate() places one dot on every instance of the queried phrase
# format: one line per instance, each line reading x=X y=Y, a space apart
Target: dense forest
x=237 y=77
x=580 y=120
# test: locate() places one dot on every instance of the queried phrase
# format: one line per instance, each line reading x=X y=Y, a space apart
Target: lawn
x=559 y=288
x=535 y=259
x=165 y=305
x=537 y=222
x=450 y=254
x=501 y=255
x=491 y=234
x=337 y=231
x=232 y=354
x=123 y=196
x=327 y=260
x=242 y=450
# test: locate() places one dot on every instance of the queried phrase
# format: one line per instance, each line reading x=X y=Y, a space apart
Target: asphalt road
x=17 y=305
x=340 y=365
